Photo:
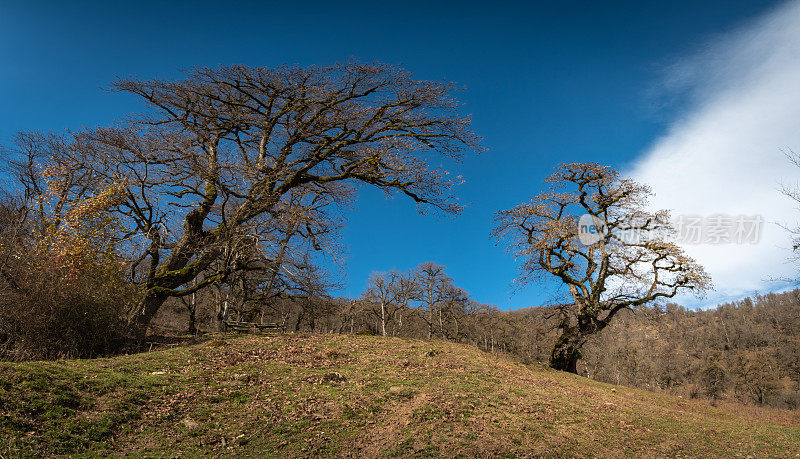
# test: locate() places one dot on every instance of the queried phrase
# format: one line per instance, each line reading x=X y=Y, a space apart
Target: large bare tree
x=592 y=232
x=223 y=156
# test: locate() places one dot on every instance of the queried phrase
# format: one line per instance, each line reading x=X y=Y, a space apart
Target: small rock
x=156 y=373
x=334 y=377
x=190 y=424
x=395 y=389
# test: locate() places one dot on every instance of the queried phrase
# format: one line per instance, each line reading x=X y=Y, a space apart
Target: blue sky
x=546 y=82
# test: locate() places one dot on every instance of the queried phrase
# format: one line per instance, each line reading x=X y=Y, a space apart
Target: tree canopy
x=592 y=231
x=237 y=164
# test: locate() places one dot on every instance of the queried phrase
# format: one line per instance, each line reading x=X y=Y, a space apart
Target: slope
x=304 y=395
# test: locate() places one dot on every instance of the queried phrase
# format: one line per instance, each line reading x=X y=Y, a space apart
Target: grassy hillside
x=364 y=396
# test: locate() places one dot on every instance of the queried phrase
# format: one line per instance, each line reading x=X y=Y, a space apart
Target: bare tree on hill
x=625 y=259
x=225 y=154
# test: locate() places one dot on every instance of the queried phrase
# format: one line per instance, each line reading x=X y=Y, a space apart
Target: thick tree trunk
x=150 y=305
x=172 y=272
x=566 y=351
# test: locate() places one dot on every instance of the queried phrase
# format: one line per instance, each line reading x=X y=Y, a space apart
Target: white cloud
x=724 y=154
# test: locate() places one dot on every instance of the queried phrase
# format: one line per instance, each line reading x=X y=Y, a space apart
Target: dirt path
x=386 y=431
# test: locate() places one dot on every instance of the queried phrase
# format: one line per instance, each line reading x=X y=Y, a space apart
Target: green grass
x=308 y=395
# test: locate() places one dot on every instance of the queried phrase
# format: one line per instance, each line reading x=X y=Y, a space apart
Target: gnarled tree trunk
x=150 y=305
x=567 y=351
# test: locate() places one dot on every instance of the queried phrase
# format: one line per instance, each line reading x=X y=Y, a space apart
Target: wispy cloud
x=723 y=155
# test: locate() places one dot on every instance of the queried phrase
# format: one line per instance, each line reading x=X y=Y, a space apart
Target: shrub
x=62 y=287
x=50 y=313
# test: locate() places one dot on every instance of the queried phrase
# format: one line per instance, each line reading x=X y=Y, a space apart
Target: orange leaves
x=77 y=229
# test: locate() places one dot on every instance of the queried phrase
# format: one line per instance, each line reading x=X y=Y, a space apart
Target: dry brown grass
x=308 y=395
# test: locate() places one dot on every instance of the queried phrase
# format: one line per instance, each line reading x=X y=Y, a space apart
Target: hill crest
x=335 y=395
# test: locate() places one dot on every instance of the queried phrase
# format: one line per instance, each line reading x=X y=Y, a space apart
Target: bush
x=52 y=306
x=44 y=314
x=62 y=288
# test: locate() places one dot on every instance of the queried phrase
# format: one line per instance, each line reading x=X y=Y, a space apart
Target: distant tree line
x=748 y=350
x=421 y=303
